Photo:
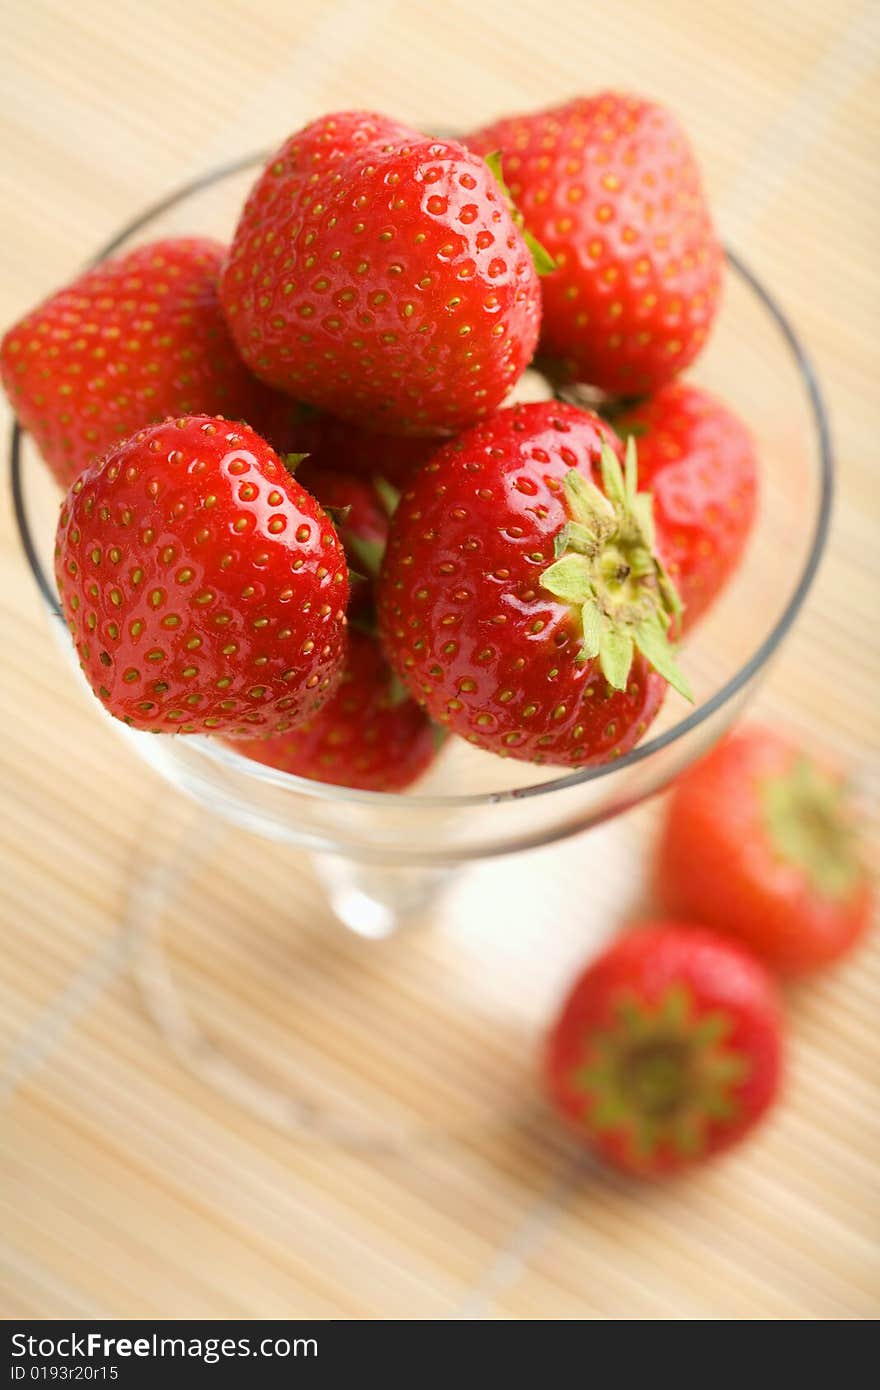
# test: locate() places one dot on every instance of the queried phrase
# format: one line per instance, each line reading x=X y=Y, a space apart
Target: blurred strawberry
x=760 y=842
x=667 y=1050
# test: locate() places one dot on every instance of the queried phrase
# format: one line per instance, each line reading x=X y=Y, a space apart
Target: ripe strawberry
x=369 y=736
x=139 y=338
x=521 y=605
x=698 y=459
x=361 y=510
x=340 y=446
x=610 y=187
x=203 y=586
x=759 y=843
x=380 y=275
x=667 y=1049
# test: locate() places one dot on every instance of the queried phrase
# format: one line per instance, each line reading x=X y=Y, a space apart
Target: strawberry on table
x=698 y=460
x=667 y=1050
x=610 y=187
x=760 y=843
x=205 y=589
x=380 y=274
x=138 y=338
x=522 y=604
x=369 y=736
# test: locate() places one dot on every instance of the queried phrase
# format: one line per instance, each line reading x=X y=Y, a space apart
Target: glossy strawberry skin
x=379 y=275
x=638 y=968
x=137 y=339
x=698 y=460
x=365 y=737
x=462 y=614
x=715 y=832
x=609 y=185
x=204 y=588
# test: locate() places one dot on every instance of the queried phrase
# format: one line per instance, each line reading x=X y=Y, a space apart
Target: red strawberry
x=759 y=843
x=699 y=461
x=137 y=339
x=667 y=1049
x=368 y=736
x=361 y=509
x=380 y=275
x=610 y=187
x=521 y=605
x=339 y=445
x=204 y=588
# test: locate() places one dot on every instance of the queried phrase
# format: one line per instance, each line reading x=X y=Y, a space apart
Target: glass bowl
x=379 y=855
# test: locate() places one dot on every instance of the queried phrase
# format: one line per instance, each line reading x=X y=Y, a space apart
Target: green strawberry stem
x=607 y=568
x=543 y=261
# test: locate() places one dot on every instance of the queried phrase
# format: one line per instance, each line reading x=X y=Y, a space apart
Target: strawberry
x=340 y=446
x=380 y=275
x=699 y=461
x=667 y=1050
x=610 y=186
x=138 y=338
x=368 y=736
x=759 y=843
x=521 y=604
x=203 y=586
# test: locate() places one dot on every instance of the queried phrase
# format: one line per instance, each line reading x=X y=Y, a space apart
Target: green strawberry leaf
x=388 y=495
x=543 y=262
x=338 y=515
x=605 y=566
x=592 y=622
x=369 y=553
x=612 y=478
x=615 y=656
x=568 y=579
x=655 y=646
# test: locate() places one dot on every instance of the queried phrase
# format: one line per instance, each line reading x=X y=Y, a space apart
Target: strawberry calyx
x=607 y=568
x=805 y=815
x=543 y=262
x=660 y=1073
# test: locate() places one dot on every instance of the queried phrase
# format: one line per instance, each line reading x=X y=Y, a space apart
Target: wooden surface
x=130 y=1188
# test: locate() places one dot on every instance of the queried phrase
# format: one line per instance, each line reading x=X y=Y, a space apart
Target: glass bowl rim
x=223 y=754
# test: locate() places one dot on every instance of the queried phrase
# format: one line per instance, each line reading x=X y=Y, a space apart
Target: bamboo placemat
x=131 y=1189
